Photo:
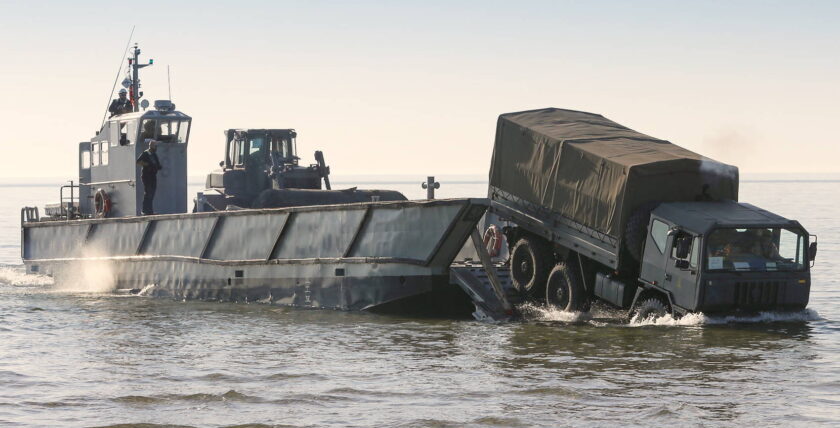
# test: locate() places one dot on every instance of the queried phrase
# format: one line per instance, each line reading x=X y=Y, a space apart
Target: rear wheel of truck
x=529 y=265
x=564 y=289
x=651 y=307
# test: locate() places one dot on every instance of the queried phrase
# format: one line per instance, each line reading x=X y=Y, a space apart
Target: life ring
x=101 y=204
x=493 y=240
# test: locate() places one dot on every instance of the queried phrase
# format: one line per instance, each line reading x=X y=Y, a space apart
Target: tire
x=564 y=289
x=529 y=265
x=651 y=307
x=635 y=233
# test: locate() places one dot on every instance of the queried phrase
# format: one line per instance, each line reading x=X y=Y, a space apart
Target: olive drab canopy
x=597 y=172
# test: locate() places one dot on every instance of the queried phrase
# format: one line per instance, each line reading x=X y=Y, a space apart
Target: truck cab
x=724 y=257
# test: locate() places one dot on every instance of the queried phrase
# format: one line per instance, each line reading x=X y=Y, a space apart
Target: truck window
x=693 y=259
x=659 y=233
x=757 y=249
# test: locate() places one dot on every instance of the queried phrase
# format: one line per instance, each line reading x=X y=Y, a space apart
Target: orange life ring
x=493 y=240
x=101 y=204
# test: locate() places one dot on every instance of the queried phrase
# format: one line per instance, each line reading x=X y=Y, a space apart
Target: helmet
x=122 y=91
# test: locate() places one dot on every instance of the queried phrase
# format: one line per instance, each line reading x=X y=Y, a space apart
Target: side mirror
x=683 y=245
x=222 y=163
x=681 y=264
x=812 y=251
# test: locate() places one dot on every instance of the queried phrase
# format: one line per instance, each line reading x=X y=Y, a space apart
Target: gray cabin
x=107 y=164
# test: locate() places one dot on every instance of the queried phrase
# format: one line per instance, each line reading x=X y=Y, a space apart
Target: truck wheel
x=650 y=307
x=635 y=233
x=564 y=289
x=529 y=264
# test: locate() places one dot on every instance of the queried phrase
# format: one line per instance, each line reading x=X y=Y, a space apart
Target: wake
x=603 y=317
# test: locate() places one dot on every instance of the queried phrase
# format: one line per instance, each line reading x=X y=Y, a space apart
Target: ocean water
x=81 y=358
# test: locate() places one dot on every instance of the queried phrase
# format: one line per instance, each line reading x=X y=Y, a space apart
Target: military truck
x=261 y=170
x=596 y=211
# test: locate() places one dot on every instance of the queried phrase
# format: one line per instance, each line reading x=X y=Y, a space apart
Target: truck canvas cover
x=596 y=172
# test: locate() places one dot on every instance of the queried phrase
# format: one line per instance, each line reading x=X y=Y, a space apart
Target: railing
x=28 y=214
x=71 y=209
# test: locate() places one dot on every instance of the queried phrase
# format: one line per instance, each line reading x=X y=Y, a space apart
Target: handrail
x=71 y=206
x=130 y=182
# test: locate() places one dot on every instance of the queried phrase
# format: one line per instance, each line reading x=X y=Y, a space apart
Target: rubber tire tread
x=649 y=306
x=564 y=275
x=539 y=254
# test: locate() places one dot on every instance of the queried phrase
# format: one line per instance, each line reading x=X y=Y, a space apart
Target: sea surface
x=79 y=358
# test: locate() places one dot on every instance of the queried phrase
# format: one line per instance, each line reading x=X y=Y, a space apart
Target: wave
x=533 y=312
x=603 y=317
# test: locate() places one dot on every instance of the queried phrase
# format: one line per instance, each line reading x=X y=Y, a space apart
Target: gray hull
x=353 y=257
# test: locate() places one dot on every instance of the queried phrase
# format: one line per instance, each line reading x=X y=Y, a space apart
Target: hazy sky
x=416 y=87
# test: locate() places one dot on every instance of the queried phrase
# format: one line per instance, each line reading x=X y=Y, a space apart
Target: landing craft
x=263 y=230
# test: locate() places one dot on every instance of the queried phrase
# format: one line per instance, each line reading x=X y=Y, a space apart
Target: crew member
x=120 y=105
x=150 y=163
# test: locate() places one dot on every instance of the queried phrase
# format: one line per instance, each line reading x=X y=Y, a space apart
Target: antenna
x=125 y=51
x=168 y=82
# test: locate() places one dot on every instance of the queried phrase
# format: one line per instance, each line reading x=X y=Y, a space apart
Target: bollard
x=430 y=185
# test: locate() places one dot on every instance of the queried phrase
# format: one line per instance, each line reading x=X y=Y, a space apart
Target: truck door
x=655 y=255
x=681 y=268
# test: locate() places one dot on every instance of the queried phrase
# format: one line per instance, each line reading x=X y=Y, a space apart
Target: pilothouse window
x=94 y=154
x=124 y=141
x=104 y=154
x=166 y=131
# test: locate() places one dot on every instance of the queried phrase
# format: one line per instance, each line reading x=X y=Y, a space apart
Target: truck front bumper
x=749 y=293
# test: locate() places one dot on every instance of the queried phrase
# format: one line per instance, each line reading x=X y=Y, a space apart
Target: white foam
x=803 y=315
x=18 y=277
x=146 y=289
x=668 y=320
x=533 y=312
x=702 y=319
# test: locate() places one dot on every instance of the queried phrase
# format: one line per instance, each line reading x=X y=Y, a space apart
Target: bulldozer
x=261 y=169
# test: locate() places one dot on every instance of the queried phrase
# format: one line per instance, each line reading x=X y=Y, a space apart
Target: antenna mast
x=168 y=82
x=134 y=63
x=125 y=51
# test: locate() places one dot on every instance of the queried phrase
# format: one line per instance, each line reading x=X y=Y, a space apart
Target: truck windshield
x=756 y=249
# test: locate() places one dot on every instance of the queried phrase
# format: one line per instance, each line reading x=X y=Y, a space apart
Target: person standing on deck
x=150 y=164
x=120 y=105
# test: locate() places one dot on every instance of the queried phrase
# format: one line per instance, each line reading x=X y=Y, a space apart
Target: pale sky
x=416 y=87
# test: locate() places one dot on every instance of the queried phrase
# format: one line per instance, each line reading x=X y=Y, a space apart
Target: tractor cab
x=257 y=160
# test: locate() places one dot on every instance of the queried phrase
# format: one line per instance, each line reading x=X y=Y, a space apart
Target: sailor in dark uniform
x=150 y=163
x=120 y=105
